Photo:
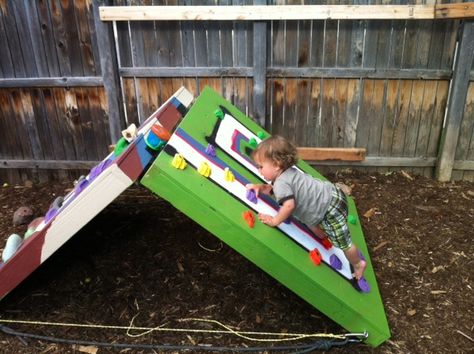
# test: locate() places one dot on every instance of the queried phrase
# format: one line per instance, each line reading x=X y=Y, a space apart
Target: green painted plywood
x=221 y=214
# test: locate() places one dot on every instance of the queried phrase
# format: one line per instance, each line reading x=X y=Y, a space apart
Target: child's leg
x=359 y=265
x=318 y=231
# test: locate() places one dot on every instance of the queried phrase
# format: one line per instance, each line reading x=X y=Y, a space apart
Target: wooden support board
x=287 y=12
x=322 y=154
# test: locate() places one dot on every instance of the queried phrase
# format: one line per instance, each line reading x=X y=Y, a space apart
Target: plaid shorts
x=334 y=222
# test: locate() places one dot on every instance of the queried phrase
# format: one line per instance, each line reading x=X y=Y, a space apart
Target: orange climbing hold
x=161 y=132
x=249 y=218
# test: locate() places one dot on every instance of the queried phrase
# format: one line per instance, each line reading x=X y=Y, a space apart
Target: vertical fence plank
x=47 y=34
x=108 y=65
x=13 y=41
x=465 y=133
x=457 y=101
x=401 y=119
x=390 y=115
x=260 y=68
x=72 y=37
x=84 y=34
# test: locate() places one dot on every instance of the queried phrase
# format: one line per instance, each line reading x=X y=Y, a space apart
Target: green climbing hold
x=261 y=134
x=253 y=142
x=219 y=114
x=120 y=146
x=352 y=219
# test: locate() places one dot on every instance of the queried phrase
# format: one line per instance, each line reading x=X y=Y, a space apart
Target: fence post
x=456 y=103
x=109 y=69
x=259 y=68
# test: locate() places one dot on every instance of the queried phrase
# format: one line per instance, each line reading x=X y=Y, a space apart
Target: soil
x=142 y=262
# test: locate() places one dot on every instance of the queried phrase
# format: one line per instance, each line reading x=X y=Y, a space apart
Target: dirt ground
x=142 y=260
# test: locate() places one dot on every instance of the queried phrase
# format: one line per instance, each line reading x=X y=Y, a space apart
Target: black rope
x=295 y=349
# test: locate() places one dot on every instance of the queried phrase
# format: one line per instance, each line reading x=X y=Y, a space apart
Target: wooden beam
x=314 y=72
x=374 y=161
x=286 y=12
x=48 y=164
x=355 y=73
x=84 y=81
x=321 y=154
x=456 y=103
x=185 y=71
x=369 y=161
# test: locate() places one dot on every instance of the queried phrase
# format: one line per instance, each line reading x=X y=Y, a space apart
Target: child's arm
x=284 y=213
x=260 y=188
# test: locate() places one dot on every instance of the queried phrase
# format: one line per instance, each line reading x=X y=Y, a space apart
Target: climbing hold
x=228 y=175
x=205 y=169
x=50 y=214
x=32 y=226
x=261 y=134
x=13 y=244
x=153 y=141
x=315 y=256
x=23 y=215
x=97 y=170
x=120 y=146
x=335 y=262
x=363 y=285
x=58 y=203
x=251 y=196
x=253 y=142
x=326 y=243
x=179 y=162
x=210 y=150
x=161 y=132
x=249 y=218
x=352 y=219
x=130 y=133
x=219 y=114
x=81 y=183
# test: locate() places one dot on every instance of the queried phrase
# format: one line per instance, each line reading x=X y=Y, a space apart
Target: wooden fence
x=69 y=82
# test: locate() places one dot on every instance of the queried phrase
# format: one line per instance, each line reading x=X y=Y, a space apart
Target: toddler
x=312 y=201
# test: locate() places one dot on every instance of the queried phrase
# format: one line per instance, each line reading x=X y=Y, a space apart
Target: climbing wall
x=203 y=171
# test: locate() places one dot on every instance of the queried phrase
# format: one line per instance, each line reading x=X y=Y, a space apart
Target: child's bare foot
x=359 y=269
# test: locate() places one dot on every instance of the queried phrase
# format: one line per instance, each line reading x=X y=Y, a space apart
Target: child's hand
x=263 y=188
x=267 y=219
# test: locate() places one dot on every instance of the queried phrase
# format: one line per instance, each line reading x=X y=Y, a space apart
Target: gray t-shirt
x=312 y=196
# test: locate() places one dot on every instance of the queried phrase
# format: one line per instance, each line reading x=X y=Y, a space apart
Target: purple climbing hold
x=97 y=170
x=210 y=150
x=50 y=214
x=335 y=262
x=251 y=196
x=363 y=285
x=81 y=184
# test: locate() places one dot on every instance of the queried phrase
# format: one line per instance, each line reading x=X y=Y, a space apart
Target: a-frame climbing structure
x=203 y=171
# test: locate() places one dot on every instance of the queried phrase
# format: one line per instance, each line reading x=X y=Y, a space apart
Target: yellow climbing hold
x=228 y=175
x=205 y=169
x=179 y=162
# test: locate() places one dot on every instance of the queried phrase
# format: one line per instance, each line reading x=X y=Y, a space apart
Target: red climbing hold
x=315 y=256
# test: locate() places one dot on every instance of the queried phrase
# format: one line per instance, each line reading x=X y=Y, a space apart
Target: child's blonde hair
x=277 y=149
